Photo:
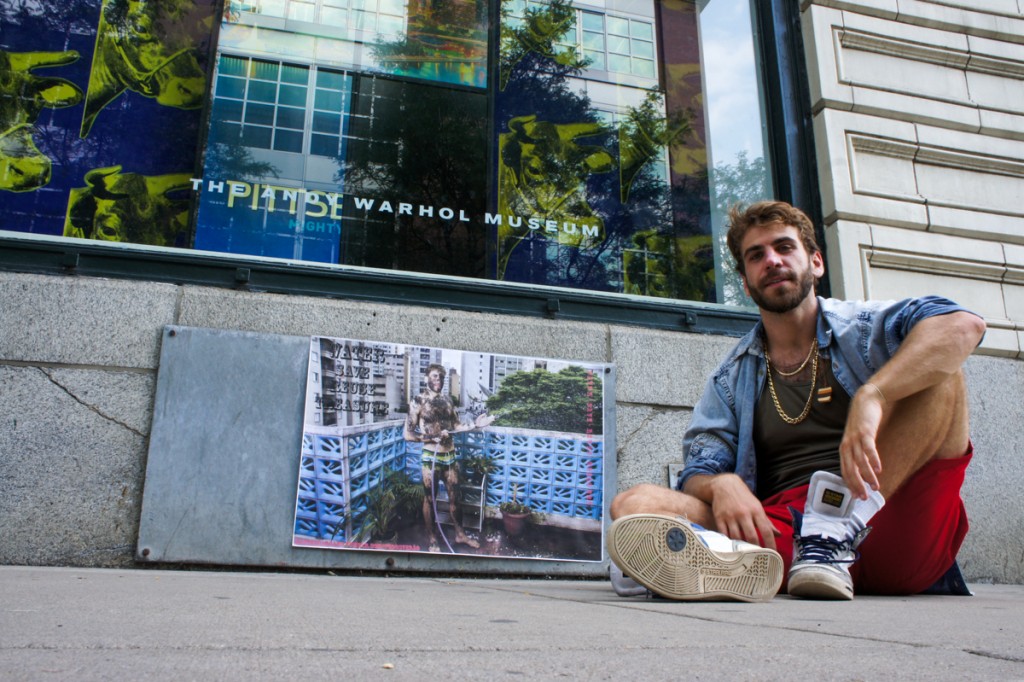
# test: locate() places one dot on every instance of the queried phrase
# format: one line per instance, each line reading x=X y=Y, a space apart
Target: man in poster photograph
x=432 y=420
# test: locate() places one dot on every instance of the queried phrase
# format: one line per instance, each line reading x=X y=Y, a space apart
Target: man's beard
x=788 y=301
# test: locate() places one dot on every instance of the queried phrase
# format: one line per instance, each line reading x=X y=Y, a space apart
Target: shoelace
x=823 y=550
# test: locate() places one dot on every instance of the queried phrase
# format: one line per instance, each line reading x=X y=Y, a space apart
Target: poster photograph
x=420 y=449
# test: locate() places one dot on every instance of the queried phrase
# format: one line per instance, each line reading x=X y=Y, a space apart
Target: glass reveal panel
x=594 y=145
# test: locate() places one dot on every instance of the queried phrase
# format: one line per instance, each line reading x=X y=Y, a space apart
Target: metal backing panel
x=223 y=469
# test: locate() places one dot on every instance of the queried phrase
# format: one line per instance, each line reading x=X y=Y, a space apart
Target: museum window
x=583 y=151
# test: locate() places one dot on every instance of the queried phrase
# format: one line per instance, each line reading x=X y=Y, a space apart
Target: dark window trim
x=793 y=164
x=788 y=104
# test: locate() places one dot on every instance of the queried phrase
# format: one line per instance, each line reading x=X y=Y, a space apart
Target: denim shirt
x=857 y=337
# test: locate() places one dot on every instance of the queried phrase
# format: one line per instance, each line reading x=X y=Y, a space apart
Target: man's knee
x=935 y=420
x=631 y=501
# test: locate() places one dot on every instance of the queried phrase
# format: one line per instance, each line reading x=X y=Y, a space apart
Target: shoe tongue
x=828 y=496
x=825 y=526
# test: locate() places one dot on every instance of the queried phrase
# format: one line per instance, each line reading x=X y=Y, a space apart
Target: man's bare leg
x=932 y=424
x=451 y=481
x=428 y=508
x=648 y=498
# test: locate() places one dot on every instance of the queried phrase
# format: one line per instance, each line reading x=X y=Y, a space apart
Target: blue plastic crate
x=567 y=445
x=360 y=484
x=357 y=463
x=561 y=493
x=543 y=443
x=307 y=527
x=562 y=477
x=305 y=506
x=473 y=439
x=538 y=475
x=330 y=469
x=518 y=474
x=519 y=457
x=540 y=491
x=584 y=496
x=539 y=504
x=333 y=531
x=356 y=443
x=307 y=486
x=565 y=461
x=562 y=508
x=334 y=491
x=542 y=460
x=589 y=464
x=328 y=446
x=587 y=511
x=329 y=511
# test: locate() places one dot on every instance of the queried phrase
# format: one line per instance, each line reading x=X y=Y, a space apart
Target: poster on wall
x=433 y=450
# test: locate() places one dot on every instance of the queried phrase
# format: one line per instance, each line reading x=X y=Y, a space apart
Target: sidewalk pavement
x=102 y=624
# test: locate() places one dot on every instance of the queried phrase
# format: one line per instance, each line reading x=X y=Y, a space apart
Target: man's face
x=780 y=274
x=435 y=380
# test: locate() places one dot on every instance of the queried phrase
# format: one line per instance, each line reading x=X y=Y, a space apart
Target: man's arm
x=934 y=350
x=737 y=512
x=482 y=421
x=412 y=420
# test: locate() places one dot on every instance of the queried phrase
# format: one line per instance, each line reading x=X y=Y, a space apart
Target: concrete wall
x=78 y=361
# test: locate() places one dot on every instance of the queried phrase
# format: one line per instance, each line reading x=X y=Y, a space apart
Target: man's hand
x=738 y=513
x=858 y=453
x=483 y=421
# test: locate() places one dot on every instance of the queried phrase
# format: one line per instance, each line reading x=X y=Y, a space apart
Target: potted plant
x=514 y=514
x=477 y=464
x=395 y=500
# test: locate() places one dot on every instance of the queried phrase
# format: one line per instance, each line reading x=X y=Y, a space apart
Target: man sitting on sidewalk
x=853 y=412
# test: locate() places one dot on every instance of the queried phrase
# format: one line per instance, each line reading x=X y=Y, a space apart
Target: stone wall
x=919 y=128
x=78 y=362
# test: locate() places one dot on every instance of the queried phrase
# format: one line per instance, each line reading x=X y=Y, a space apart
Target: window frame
x=794 y=175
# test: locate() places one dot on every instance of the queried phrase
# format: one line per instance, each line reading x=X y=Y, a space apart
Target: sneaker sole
x=667 y=557
x=817 y=583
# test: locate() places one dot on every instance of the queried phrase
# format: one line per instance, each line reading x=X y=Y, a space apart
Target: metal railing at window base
x=23 y=252
x=558 y=475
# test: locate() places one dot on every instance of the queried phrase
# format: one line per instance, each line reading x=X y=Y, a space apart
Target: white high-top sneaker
x=826 y=537
x=676 y=559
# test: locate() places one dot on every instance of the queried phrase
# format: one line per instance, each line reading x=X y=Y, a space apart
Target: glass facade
x=593 y=144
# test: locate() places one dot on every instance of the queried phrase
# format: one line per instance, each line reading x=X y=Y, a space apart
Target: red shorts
x=914 y=539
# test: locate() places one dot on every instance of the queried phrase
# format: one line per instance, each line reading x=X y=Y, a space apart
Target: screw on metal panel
x=690 y=320
x=553 y=306
x=242 y=275
x=172 y=333
x=145 y=551
x=390 y=561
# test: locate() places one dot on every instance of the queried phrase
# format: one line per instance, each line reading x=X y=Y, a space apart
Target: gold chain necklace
x=810 y=352
x=810 y=395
